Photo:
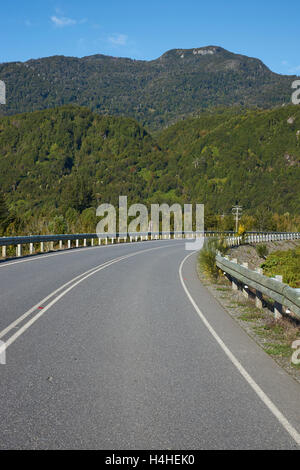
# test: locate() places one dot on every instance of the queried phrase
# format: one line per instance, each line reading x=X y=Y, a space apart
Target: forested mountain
x=57 y=165
x=253 y=158
x=156 y=93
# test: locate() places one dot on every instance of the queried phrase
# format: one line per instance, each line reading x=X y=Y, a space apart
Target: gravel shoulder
x=247 y=253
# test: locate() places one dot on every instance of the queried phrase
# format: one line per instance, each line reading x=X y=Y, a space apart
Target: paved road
x=133 y=353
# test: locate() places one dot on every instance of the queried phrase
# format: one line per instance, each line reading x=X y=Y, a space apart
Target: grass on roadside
x=207 y=257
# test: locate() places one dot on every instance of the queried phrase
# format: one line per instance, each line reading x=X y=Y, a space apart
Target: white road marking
x=43 y=301
x=85 y=275
x=265 y=399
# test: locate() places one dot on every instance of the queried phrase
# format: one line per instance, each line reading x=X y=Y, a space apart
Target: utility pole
x=237 y=210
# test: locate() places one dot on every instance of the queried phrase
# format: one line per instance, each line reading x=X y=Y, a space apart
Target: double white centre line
x=65 y=288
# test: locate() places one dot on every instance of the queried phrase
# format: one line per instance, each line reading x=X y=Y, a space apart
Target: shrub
x=262 y=250
x=222 y=246
x=285 y=263
x=207 y=258
x=241 y=231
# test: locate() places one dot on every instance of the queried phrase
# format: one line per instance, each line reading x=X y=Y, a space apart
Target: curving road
x=121 y=347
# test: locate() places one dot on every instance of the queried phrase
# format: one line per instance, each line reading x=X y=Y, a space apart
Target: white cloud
x=61 y=21
x=118 y=39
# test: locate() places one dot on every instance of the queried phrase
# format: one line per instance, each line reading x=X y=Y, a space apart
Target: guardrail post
x=51 y=246
x=77 y=243
x=4 y=251
x=42 y=247
x=84 y=242
x=60 y=244
x=234 y=283
x=92 y=242
x=106 y=241
x=69 y=244
x=31 y=248
x=19 y=250
x=245 y=288
x=258 y=294
x=277 y=311
x=277 y=305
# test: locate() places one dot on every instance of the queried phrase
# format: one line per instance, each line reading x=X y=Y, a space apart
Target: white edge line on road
x=86 y=275
x=265 y=399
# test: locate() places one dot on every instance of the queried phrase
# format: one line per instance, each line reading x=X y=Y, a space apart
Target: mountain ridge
x=156 y=93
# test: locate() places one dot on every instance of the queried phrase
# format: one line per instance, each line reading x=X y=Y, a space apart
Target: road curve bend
x=121 y=347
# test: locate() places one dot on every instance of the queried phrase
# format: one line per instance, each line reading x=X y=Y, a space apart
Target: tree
x=57 y=225
x=4 y=214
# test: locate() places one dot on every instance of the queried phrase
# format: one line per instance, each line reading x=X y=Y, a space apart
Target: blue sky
x=143 y=29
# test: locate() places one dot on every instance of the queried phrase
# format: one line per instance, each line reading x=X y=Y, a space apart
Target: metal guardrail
x=232 y=240
x=92 y=236
x=259 y=237
x=99 y=237
x=281 y=293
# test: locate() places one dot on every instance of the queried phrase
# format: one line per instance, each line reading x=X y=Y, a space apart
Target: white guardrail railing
x=42 y=243
x=259 y=237
x=256 y=283
x=46 y=242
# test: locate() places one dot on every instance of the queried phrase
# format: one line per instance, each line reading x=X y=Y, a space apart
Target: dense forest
x=156 y=93
x=58 y=165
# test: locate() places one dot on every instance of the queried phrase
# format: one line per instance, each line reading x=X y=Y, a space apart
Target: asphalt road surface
x=121 y=347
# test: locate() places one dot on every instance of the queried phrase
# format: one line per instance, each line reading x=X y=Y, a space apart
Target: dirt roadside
x=247 y=253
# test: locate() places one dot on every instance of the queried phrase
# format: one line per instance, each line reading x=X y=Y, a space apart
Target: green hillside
x=57 y=165
x=253 y=158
